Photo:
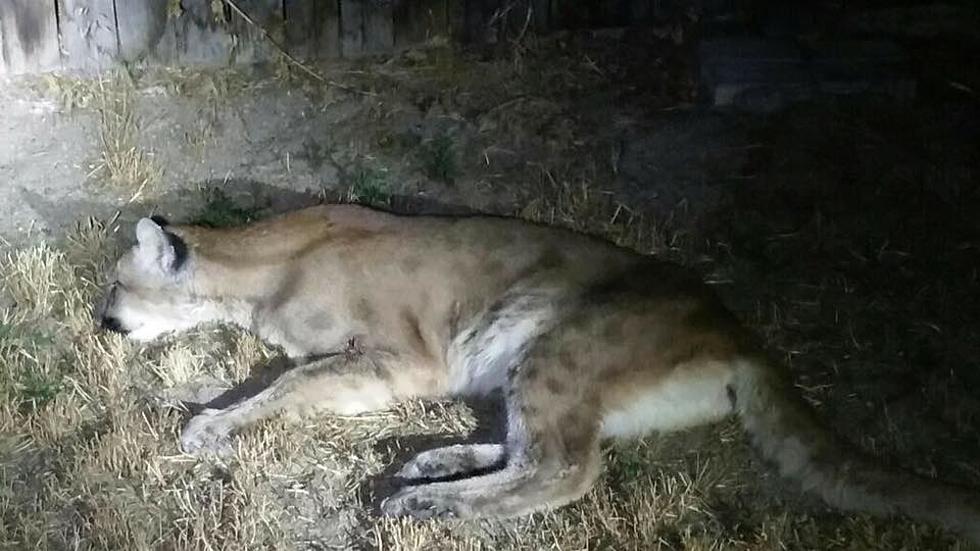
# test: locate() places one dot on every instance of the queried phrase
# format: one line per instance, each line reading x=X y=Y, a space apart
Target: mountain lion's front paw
x=416 y=502
x=207 y=433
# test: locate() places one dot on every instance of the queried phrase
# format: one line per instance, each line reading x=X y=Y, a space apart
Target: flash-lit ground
x=846 y=233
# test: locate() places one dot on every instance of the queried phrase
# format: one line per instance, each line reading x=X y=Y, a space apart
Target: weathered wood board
x=141 y=25
x=299 y=17
x=28 y=36
x=328 y=43
x=379 y=29
x=89 y=40
x=541 y=15
x=416 y=21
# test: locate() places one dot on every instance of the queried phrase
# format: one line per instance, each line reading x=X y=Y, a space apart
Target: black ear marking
x=160 y=220
x=180 y=251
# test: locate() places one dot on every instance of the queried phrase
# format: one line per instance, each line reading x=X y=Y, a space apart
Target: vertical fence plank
x=328 y=40
x=475 y=16
x=89 y=39
x=542 y=15
x=249 y=43
x=312 y=28
x=521 y=17
x=456 y=19
x=193 y=32
x=140 y=24
x=379 y=31
x=300 y=20
x=351 y=27
x=417 y=21
x=28 y=36
x=408 y=23
x=641 y=11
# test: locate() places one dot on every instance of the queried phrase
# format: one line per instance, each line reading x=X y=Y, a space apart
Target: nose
x=106 y=322
x=110 y=323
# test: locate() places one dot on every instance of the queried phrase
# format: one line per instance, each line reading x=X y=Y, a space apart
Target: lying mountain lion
x=586 y=340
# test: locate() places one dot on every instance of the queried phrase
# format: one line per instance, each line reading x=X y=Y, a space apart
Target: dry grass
x=218 y=86
x=69 y=92
x=574 y=202
x=123 y=164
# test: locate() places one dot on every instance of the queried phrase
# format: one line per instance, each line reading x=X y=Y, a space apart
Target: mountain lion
x=584 y=339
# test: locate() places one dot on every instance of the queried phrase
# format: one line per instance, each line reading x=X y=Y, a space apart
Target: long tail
x=786 y=431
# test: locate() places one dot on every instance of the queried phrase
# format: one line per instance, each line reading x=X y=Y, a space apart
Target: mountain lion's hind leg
x=337 y=384
x=449 y=461
x=551 y=456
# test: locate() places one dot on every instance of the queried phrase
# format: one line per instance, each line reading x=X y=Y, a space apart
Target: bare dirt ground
x=846 y=233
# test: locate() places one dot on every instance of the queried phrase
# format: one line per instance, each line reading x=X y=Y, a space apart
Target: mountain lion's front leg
x=339 y=384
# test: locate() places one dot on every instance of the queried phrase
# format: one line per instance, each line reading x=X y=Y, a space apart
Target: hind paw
x=417 y=503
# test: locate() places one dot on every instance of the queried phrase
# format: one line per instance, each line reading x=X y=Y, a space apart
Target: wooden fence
x=90 y=35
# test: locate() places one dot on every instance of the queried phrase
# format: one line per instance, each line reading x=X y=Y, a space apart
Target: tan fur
x=586 y=341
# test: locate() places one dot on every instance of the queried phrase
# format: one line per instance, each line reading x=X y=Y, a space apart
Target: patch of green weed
x=34 y=390
x=6 y=333
x=220 y=211
x=369 y=185
x=32 y=371
x=627 y=463
x=439 y=159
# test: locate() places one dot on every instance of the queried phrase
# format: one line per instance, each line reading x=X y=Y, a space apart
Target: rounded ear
x=149 y=233
x=157 y=249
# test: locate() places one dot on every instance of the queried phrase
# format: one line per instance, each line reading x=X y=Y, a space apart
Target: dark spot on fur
x=451 y=240
x=531 y=373
x=494 y=268
x=411 y=264
x=549 y=259
x=613 y=330
x=554 y=385
x=160 y=221
x=364 y=311
x=454 y=315
x=638 y=278
x=578 y=436
x=731 y=396
x=285 y=291
x=319 y=321
x=686 y=354
x=500 y=237
x=568 y=360
x=380 y=371
x=413 y=329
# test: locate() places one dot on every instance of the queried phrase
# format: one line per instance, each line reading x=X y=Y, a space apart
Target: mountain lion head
x=151 y=291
